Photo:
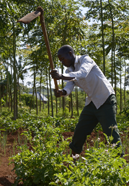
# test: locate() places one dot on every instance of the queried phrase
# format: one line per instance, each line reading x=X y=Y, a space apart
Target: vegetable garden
x=37 y=149
x=34 y=136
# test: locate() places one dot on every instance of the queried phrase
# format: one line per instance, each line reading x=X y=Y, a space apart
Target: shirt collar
x=75 y=63
x=76 y=60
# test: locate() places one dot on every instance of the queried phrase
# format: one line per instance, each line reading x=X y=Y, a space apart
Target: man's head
x=66 y=55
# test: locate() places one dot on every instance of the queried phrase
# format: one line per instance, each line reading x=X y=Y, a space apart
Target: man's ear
x=70 y=53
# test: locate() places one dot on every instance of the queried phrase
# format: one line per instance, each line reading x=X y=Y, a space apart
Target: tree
x=105 y=40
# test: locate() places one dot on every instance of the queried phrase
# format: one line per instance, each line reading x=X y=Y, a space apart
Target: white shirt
x=90 y=78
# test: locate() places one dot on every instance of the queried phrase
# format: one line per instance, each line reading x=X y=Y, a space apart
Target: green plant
x=44 y=159
x=3 y=139
x=101 y=166
x=38 y=166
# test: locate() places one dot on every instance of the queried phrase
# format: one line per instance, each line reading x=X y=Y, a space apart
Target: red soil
x=7 y=175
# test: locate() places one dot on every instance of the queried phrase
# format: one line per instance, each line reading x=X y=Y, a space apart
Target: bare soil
x=7 y=175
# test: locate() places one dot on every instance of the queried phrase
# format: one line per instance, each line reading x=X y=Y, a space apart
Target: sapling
x=14 y=145
x=0 y=139
x=4 y=142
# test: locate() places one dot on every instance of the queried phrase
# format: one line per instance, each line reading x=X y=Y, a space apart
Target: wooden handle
x=42 y=21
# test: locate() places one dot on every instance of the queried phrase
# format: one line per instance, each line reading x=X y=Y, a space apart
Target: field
x=40 y=155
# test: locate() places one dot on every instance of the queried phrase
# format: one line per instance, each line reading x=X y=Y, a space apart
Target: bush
x=38 y=166
x=47 y=162
x=26 y=98
x=99 y=167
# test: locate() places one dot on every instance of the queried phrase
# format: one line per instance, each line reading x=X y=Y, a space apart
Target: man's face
x=66 y=59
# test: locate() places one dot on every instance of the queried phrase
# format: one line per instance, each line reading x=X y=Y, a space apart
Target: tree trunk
x=35 y=92
x=19 y=92
x=56 y=105
x=36 y=101
x=120 y=88
x=7 y=88
x=71 y=105
x=0 y=101
x=14 y=74
x=113 y=47
x=34 y=88
x=124 y=85
x=63 y=98
x=31 y=99
x=63 y=43
x=11 y=87
x=47 y=93
x=40 y=90
x=77 y=108
x=115 y=82
x=1 y=94
x=51 y=96
x=9 y=96
x=16 y=97
x=10 y=82
x=43 y=95
x=60 y=98
x=102 y=29
x=112 y=72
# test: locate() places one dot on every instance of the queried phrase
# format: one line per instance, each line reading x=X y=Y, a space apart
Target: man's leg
x=106 y=115
x=86 y=124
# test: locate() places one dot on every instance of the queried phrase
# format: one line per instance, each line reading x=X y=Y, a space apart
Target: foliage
x=48 y=162
x=45 y=159
x=38 y=166
x=99 y=167
x=27 y=98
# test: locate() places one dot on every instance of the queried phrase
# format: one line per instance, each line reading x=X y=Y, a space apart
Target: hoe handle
x=42 y=21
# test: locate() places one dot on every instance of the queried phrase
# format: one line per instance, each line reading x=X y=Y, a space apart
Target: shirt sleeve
x=69 y=87
x=86 y=65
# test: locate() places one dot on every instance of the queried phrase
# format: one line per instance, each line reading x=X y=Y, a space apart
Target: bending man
x=100 y=105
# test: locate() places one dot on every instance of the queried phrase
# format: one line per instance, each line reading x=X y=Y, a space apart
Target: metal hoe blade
x=29 y=17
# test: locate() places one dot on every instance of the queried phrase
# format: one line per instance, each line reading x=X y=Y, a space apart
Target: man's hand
x=55 y=74
x=59 y=93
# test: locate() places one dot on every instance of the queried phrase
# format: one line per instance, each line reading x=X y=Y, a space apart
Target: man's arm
x=67 y=89
x=66 y=78
x=57 y=76
x=86 y=65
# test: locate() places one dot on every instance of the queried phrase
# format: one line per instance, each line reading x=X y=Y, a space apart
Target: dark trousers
x=89 y=118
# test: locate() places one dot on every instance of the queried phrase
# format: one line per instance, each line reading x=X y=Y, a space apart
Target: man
x=100 y=105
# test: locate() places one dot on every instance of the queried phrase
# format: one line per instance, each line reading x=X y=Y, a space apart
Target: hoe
x=27 y=19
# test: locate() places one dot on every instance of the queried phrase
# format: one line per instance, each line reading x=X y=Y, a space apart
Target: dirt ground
x=7 y=175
